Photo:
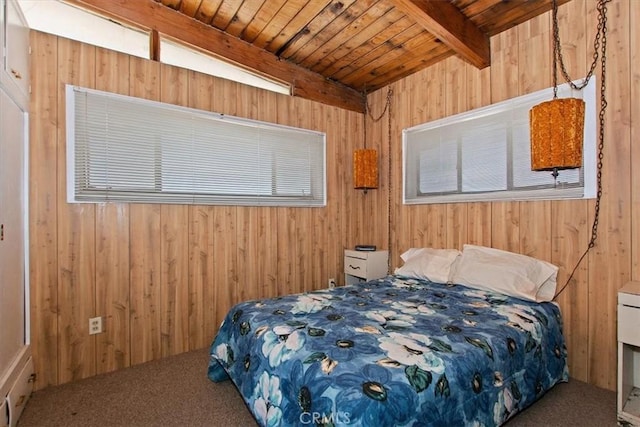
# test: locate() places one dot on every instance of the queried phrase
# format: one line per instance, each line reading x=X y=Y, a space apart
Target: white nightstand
x=360 y=266
x=629 y=353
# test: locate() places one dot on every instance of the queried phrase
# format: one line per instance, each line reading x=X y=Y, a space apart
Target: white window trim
x=589 y=149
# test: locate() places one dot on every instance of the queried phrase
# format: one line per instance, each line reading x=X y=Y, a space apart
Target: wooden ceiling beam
x=152 y=15
x=452 y=27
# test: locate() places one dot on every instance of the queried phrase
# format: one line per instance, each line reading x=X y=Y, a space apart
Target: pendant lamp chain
x=600 y=52
x=367 y=110
x=387 y=109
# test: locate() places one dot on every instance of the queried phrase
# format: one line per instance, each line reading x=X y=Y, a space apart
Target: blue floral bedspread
x=390 y=352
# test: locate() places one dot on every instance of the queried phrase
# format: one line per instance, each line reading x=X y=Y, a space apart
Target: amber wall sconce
x=365 y=169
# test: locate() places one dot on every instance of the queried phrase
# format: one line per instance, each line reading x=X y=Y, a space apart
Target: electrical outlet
x=332 y=283
x=95 y=325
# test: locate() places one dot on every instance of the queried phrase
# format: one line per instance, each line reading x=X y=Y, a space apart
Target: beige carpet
x=176 y=392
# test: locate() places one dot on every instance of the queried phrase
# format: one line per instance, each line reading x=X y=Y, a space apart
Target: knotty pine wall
x=557 y=231
x=163 y=276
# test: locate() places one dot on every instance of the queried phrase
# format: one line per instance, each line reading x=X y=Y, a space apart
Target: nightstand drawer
x=629 y=325
x=355 y=266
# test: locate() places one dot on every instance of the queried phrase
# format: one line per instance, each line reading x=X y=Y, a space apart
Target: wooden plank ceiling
x=332 y=51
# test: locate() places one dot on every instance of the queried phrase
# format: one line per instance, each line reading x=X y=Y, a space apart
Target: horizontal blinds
x=485 y=155
x=132 y=150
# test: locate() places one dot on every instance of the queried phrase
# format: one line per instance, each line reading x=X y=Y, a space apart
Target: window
x=55 y=17
x=484 y=154
x=182 y=56
x=127 y=149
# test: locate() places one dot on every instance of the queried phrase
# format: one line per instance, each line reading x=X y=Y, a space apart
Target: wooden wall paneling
x=43 y=214
x=174 y=85
x=610 y=263
x=300 y=117
x=174 y=279
x=576 y=44
x=225 y=261
x=287 y=256
x=409 y=237
x=457 y=225
x=435 y=89
x=505 y=226
x=112 y=286
x=634 y=48
x=385 y=182
x=327 y=264
x=247 y=105
x=318 y=270
x=225 y=97
x=202 y=320
x=304 y=251
x=321 y=268
x=201 y=313
x=145 y=243
x=456 y=98
x=535 y=229
x=504 y=66
x=112 y=243
x=534 y=55
x=570 y=237
x=76 y=235
x=268 y=258
x=478 y=87
x=268 y=222
x=286 y=249
x=339 y=161
x=430 y=226
x=145 y=279
x=479 y=218
x=249 y=252
x=403 y=114
x=174 y=241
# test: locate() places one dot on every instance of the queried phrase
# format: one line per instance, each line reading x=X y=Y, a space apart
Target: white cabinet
x=15 y=52
x=360 y=266
x=629 y=353
x=14 y=348
x=15 y=361
x=20 y=392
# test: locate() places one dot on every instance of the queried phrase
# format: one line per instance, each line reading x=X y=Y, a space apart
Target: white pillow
x=428 y=263
x=511 y=274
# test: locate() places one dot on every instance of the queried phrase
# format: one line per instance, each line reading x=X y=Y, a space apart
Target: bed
x=397 y=351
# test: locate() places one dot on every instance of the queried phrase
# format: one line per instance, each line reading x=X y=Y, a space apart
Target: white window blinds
x=484 y=154
x=126 y=149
